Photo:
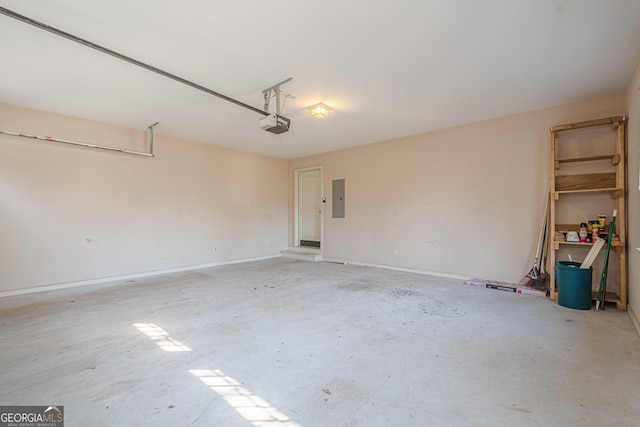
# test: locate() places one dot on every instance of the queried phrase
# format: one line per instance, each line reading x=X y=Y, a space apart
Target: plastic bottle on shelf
x=583 y=232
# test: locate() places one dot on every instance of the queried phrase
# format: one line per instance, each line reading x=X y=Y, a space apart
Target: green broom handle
x=605 y=268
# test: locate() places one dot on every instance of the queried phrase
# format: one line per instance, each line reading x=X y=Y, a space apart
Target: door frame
x=296 y=207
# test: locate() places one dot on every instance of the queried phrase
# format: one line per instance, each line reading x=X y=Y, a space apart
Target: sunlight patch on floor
x=161 y=337
x=253 y=408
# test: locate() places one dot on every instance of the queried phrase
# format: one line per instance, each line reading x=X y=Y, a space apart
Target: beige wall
x=633 y=138
x=466 y=201
x=75 y=214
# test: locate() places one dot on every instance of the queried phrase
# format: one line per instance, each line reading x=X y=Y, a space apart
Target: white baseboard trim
x=127 y=277
x=406 y=270
x=634 y=318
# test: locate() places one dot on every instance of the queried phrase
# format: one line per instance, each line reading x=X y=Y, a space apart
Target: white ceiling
x=388 y=68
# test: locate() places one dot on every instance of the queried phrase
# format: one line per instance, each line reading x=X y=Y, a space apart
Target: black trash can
x=574 y=285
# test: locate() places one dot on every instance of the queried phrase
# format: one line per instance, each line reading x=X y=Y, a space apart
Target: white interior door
x=309 y=205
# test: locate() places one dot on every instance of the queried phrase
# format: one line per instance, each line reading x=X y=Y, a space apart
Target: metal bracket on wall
x=86 y=144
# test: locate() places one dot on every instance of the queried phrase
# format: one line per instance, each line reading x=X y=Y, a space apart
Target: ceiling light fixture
x=319 y=111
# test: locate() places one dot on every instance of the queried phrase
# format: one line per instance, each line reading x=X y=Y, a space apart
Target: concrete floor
x=286 y=343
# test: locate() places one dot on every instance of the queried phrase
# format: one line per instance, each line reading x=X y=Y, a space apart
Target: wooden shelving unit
x=590 y=184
